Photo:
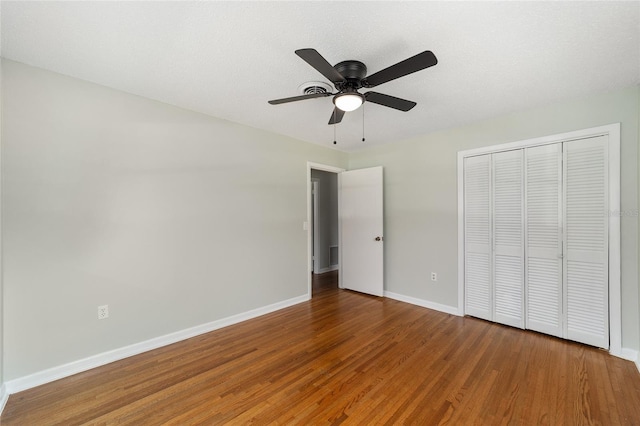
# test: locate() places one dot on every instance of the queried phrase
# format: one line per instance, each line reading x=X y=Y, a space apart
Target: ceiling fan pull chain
x=362 y=122
x=334 y=126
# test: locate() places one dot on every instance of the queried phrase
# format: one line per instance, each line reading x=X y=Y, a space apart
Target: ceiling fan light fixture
x=348 y=101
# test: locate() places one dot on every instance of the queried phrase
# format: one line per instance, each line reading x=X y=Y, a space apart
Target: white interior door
x=361 y=218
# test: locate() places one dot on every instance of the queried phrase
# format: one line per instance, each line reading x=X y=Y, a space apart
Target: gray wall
x=176 y=219
x=172 y=218
x=421 y=194
x=327 y=214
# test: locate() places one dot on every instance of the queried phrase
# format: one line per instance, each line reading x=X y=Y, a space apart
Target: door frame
x=613 y=133
x=315 y=183
x=331 y=169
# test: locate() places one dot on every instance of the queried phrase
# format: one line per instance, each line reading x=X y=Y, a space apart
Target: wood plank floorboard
x=347 y=358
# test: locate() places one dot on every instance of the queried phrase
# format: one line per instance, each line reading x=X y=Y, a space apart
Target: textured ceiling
x=227 y=59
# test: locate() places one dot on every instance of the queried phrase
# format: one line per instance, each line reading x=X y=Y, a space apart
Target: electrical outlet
x=434 y=276
x=103 y=312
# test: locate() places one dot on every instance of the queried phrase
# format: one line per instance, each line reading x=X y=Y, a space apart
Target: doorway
x=360 y=250
x=324 y=222
x=323 y=219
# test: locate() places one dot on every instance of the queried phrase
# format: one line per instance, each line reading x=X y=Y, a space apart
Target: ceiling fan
x=350 y=76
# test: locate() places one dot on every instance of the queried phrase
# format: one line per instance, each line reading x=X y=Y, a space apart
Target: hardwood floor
x=345 y=357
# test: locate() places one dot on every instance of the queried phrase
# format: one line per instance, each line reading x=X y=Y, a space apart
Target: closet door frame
x=613 y=133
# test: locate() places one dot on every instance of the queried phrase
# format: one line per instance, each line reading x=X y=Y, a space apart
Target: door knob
x=378 y=238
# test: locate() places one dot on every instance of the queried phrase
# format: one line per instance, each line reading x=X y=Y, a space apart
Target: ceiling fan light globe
x=348 y=101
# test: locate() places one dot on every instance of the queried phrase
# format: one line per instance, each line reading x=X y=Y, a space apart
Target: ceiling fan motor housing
x=353 y=72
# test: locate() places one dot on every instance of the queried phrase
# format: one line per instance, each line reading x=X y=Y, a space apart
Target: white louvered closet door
x=586 y=241
x=477 y=233
x=508 y=245
x=543 y=234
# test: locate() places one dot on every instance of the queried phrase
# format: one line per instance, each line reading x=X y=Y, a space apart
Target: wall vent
x=333 y=255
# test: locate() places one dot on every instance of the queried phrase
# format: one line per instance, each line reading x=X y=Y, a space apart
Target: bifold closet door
x=566 y=199
x=508 y=238
x=586 y=273
x=543 y=200
x=494 y=263
x=477 y=236
x=536 y=239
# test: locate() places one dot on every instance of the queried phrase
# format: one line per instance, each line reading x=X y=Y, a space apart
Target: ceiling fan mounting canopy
x=350 y=76
x=352 y=71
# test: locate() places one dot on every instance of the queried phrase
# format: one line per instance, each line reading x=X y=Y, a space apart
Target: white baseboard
x=631 y=355
x=4 y=397
x=626 y=353
x=327 y=269
x=66 y=370
x=424 y=303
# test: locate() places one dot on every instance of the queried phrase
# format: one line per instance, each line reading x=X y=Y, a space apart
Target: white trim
x=315 y=249
x=327 y=269
x=609 y=129
x=460 y=233
x=4 y=397
x=423 y=303
x=340 y=283
x=61 y=371
x=628 y=354
x=331 y=169
x=613 y=132
x=615 y=283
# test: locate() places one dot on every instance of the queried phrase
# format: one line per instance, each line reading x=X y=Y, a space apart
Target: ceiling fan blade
x=299 y=98
x=415 y=63
x=313 y=58
x=336 y=116
x=389 y=101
